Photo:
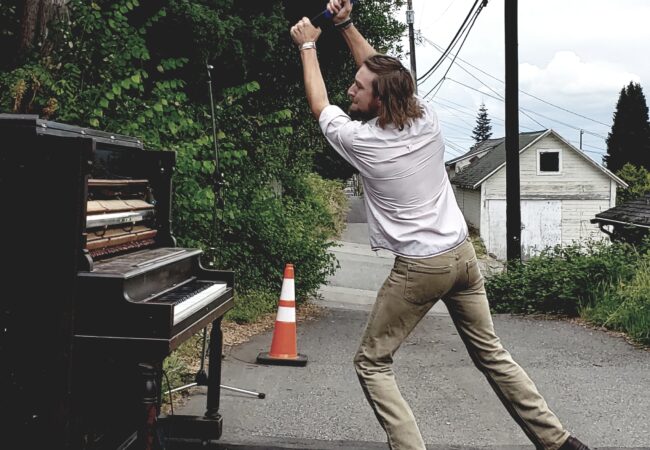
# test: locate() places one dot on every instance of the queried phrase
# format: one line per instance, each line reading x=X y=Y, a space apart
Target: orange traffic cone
x=284 y=345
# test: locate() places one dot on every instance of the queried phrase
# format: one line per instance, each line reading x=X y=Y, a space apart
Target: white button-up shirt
x=409 y=200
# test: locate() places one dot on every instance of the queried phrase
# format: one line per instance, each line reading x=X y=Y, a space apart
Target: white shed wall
x=582 y=189
x=578 y=180
x=469 y=202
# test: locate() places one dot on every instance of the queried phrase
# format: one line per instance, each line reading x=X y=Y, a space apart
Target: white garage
x=561 y=191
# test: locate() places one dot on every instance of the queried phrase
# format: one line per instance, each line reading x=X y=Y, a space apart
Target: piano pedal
x=190 y=428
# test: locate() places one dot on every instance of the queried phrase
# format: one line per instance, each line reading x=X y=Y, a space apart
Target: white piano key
x=188 y=307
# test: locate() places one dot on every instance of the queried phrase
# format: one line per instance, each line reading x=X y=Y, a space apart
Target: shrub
x=560 y=279
x=624 y=306
x=331 y=196
x=251 y=305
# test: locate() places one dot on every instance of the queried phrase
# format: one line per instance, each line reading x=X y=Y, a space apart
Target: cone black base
x=265 y=358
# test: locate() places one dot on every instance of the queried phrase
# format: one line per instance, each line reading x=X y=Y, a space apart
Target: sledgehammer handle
x=326 y=14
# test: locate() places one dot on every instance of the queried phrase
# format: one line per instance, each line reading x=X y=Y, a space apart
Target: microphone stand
x=201 y=377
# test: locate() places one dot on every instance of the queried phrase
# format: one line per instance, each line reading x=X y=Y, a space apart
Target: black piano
x=95 y=292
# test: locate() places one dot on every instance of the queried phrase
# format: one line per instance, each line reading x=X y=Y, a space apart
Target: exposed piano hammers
x=119 y=216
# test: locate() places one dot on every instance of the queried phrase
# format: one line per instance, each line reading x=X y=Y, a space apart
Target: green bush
x=624 y=306
x=251 y=305
x=560 y=279
x=329 y=194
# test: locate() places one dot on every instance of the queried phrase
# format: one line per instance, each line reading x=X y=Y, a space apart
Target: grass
x=479 y=246
x=624 y=306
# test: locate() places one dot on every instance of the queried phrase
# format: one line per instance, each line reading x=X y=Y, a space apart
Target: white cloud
x=566 y=75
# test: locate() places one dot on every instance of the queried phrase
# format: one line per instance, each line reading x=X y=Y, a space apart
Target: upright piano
x=96 y=292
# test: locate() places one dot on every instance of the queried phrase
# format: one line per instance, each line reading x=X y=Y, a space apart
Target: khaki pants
x=411 y=289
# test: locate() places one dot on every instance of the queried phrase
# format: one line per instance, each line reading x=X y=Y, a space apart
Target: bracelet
x=307 y=45
x=343 y=25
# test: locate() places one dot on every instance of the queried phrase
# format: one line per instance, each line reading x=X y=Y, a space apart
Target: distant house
x=629 y=221
x=561 y=191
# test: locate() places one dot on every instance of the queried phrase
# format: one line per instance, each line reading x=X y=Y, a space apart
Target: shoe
x=573 y=444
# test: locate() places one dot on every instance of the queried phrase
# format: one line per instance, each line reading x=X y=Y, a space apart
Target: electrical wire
x=468 y=29
x=450 y=109
x=451 y=45
x=463 y=32
x=500 y=98
x=472 y=113
x=440 y=49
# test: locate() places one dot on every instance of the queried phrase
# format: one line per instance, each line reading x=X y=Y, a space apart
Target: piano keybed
x=190 y=297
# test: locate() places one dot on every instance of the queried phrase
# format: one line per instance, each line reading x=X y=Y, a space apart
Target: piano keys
x=118 y=308
x=105 y=292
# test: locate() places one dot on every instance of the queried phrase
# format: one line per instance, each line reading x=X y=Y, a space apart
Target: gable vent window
x=549 y=161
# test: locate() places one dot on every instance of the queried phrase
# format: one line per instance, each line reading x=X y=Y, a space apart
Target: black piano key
x=183 y=292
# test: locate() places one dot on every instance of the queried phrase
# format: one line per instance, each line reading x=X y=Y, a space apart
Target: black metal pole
x=214 y=370
x=513 y=205
x=410 y=18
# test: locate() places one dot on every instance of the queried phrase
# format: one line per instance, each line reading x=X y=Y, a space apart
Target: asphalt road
x=597 y=384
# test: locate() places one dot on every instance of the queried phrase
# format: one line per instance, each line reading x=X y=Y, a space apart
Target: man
x=393 y=139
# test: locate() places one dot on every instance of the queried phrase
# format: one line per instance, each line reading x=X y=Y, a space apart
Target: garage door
x=541 y=222
x=541 y=225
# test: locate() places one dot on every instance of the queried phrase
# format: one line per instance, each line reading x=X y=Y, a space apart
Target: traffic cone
x=284 y=345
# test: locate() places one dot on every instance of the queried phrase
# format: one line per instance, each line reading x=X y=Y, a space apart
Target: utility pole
x=581 y=133
x=513 y=204
x=410 y=18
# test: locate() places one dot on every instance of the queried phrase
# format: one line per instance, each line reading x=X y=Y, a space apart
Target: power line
x=451 y=45
x=450 y=108
x=454 y=149
x=525 y=111
x=468 y=29
x=600 y=150
x=441 y=15
x=472 y=113
x=520 y=90
x=497 y=93
x=500 y=98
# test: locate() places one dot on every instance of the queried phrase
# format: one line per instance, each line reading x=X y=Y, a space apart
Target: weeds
x=608 y=285
x=624 y=306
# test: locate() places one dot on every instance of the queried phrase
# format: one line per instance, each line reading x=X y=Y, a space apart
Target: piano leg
x=204 y=428
x=147 y=432
x=214 y=372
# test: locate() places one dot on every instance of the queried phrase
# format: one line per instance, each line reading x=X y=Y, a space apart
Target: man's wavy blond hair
x=395 y=87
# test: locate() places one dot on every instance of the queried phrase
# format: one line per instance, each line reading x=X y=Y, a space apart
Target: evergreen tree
x=638 y=180
x=483 y=129
x=629 y=139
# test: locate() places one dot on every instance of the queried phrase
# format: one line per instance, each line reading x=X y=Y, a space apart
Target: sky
x=576 y=55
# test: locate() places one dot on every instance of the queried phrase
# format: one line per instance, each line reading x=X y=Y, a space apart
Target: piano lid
x=47 y=127
x=137 y=263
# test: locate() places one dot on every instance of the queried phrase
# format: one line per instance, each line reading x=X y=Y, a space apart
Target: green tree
x=483 y=128
x=638 y=179
x=629 y=139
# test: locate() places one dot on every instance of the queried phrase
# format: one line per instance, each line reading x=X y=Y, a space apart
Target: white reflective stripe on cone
x=286 y=314
x=288 y=290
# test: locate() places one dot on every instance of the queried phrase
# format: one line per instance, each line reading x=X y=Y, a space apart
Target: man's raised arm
x=360 y=48
x=305 y=35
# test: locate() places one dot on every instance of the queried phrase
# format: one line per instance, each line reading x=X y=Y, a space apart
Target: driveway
x=597 y=384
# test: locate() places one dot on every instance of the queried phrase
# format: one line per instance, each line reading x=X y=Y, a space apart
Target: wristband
x=307 y=45
x=343 y=25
